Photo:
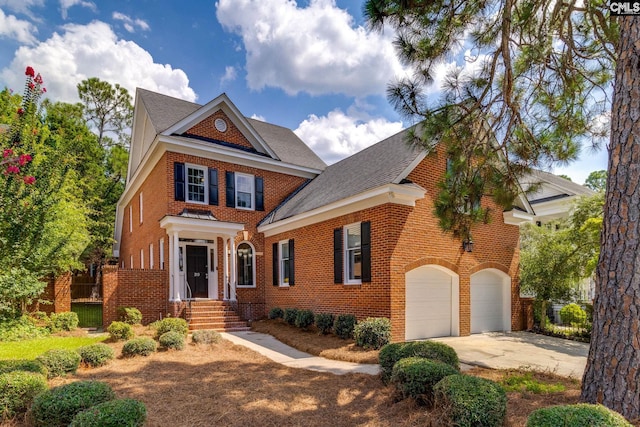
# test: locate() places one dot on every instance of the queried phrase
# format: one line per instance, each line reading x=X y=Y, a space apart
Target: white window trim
x=252 y=179
x=345 y=253
x=151 y=260
x=162 y=254
x=131 y=261
x=130 y=219
x=253 y=264
x=204 y=169
x=142 y=259
x=141 y=204
x=281 y=282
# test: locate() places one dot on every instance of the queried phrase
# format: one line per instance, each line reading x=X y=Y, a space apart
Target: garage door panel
x=487 y=302
x=428 y=304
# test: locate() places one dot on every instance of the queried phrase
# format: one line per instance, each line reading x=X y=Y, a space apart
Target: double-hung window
x=283 y=263
x=196 y=184
x=244 y=191
x=353 y=254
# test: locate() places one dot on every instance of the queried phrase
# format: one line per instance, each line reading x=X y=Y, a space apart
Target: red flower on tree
x=29 y=179
x=30 y=72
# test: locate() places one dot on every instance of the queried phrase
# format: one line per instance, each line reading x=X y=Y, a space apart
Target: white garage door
x=428 y=303
x=487 y=302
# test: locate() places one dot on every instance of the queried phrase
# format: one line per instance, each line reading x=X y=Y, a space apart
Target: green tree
x=597 y=180
x=108 y=107
x=540 y=87
x=555 y=257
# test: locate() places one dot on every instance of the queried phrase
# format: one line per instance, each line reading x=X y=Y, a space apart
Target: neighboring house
x=223 y=209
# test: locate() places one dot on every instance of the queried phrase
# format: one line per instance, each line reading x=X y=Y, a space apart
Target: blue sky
x=311 y=66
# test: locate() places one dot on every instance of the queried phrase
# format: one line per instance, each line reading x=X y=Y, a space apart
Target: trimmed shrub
x=276 y=313
x=172 y=340
x=471 y=401
x=142 y=346
x=113 y=413
x=290 y=315
x=22 y=365
x=21 y=328
x=120 y=331
x=372 y=332
x=130 y=315
x=573 y=314
x=176 y=324
x=17 y=391
x=324 y=323
x=343 y=325
x=582 y=414
x=59 y=362
x=58 y=406
x=95 y=355
x=304 y=319
x=391 y=353
x=206 y=336
x=67 y=321
x=416 y=376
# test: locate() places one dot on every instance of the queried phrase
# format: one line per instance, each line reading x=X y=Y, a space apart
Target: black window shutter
x=292 y=269
x=365 y=236
x=337 y=255
x=259 y=194
x=178 y=181
x=275 y=264
x=213 y=186
x=231 y=189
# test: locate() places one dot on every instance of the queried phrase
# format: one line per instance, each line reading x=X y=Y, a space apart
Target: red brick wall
x=403 y=238
x=57 y=292
x=207 y=129
x=146 y=290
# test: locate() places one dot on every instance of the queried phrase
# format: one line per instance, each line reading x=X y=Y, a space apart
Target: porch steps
x=217 y=315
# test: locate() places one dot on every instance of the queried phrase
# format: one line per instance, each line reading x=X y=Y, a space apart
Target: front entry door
x=197 y=271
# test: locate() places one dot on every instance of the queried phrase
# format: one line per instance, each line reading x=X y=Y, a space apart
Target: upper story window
x=244 y=191
x=246 y=266
x=195 y=184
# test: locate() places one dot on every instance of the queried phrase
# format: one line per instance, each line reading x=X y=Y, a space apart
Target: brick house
x=223 y=209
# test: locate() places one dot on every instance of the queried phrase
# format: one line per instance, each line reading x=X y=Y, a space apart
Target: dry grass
x=329 y=346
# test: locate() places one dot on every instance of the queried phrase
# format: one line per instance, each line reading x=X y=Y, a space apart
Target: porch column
x=225 y=266
x=175 y=250
x=172 y=281
x=233 y=270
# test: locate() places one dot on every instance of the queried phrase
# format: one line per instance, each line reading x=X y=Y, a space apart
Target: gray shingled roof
x=377 y=165
x=165 y=111
x=570 y=188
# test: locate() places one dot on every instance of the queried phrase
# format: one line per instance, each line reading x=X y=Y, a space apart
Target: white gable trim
x=405 y=173
x=389 y=193
x=222 y=102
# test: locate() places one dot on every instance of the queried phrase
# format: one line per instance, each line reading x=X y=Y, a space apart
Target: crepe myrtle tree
x=535 y=84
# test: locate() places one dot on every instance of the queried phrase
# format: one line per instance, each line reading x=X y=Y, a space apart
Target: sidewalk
x=278 y=352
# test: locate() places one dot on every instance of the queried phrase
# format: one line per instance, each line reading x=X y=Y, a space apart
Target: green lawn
x=30 y=349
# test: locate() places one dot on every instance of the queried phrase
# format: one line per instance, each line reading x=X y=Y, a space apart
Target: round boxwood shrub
x=290 y=315
x=573 y=314
x=276 y=313
x=372 y=332
x=172 y=340
x=59 y=405
x=391 y=353
x=95 y=355
x=344 y=325
x=416 y=376
x=67 y=321
x=471 y=401
x=176 y=324
x=142 y=346
x=324 y=323
x=114 y=413
x=22 y=365
x=59 y=362
x=17 y=391
x=120 y=331
x=304 y=319
x=206 y=336
x=582 y=414
x=130 y=315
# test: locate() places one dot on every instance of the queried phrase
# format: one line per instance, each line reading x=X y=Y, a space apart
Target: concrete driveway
x=521 y=349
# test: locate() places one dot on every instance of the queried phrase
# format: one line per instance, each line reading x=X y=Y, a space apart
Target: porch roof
x=198 y=226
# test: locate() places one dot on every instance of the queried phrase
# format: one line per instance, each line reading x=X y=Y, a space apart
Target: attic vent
x=220 y=124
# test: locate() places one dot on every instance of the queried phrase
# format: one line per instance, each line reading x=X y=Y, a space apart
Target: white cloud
x=129 y=23
x=21 y=6
x=338 y=135
x=17 y=29
x=315 y=49
x=93 y=50
x=230 y=74
x=65 y=5
x=258 y=117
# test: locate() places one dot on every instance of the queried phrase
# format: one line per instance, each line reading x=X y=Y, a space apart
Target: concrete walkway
x=490 y=350
x=521 y=349
x=278 y=352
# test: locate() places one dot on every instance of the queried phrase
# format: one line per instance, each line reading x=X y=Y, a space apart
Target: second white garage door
x=489 y=302
x=429 y=301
